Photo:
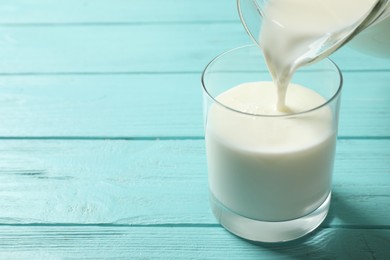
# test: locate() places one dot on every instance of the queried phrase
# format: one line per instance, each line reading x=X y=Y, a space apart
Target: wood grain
x=101 y=139
x=160 y=182
x=96 y=242
x=158 y=105
x=136 y=48
x=30 y=12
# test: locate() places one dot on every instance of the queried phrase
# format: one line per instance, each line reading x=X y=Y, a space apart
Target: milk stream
x=295 y=32
x=272 y=168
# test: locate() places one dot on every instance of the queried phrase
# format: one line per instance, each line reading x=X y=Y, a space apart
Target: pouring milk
x=297 y=32
x=266 y=168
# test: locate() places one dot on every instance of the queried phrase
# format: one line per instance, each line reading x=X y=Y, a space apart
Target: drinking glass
x=260 y=193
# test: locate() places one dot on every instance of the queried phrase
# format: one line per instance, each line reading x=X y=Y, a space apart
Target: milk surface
x=295 y=32
x=270 y=168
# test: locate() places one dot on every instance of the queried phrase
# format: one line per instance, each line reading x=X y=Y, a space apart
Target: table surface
x=102 y=143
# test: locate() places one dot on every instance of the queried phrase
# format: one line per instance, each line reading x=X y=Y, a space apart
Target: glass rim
x=328 y=101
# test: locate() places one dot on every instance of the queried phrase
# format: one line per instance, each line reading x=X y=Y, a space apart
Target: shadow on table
x=343 y=239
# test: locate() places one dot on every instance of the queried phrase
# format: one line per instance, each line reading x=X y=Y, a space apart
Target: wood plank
x=160 y=182
x=162 y=105
x=119 y=11
x=133 y=48
x=94 y=242
x=103 y=68
x=364 y=104
x=106 y=105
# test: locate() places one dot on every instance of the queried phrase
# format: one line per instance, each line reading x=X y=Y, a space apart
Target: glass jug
x=370 y=33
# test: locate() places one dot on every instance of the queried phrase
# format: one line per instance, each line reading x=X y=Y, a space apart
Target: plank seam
x=123 y=23
x=104 y=73
x=151 y=138
x=176 y=225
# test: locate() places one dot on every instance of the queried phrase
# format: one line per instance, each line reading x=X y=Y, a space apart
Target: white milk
x=374 y=40
x=270 y=168
x=295 y=32
x=280 y=168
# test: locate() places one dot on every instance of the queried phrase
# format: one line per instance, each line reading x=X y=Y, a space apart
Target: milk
x=297 y=32
x=374 y=40
x=268 y=159
x=270 y=168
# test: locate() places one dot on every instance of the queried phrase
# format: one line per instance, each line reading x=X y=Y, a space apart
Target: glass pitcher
x=370 y=34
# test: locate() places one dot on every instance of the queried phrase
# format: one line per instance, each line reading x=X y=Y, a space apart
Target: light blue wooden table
x=101 y=142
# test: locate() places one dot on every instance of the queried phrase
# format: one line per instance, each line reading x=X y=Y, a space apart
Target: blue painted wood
x=117 y=11
x=182 y=242
x=158 y=48
x=153 y=105
x=148 y=182
x=87 y=88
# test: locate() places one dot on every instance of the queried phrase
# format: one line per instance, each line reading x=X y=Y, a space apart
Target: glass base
x=265 y=231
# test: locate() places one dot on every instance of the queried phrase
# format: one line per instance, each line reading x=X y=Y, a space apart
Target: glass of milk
x=270 y=172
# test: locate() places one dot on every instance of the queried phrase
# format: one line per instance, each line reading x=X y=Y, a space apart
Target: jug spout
x=366 y=20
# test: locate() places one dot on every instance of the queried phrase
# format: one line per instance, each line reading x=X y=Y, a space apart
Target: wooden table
x=102 y=146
